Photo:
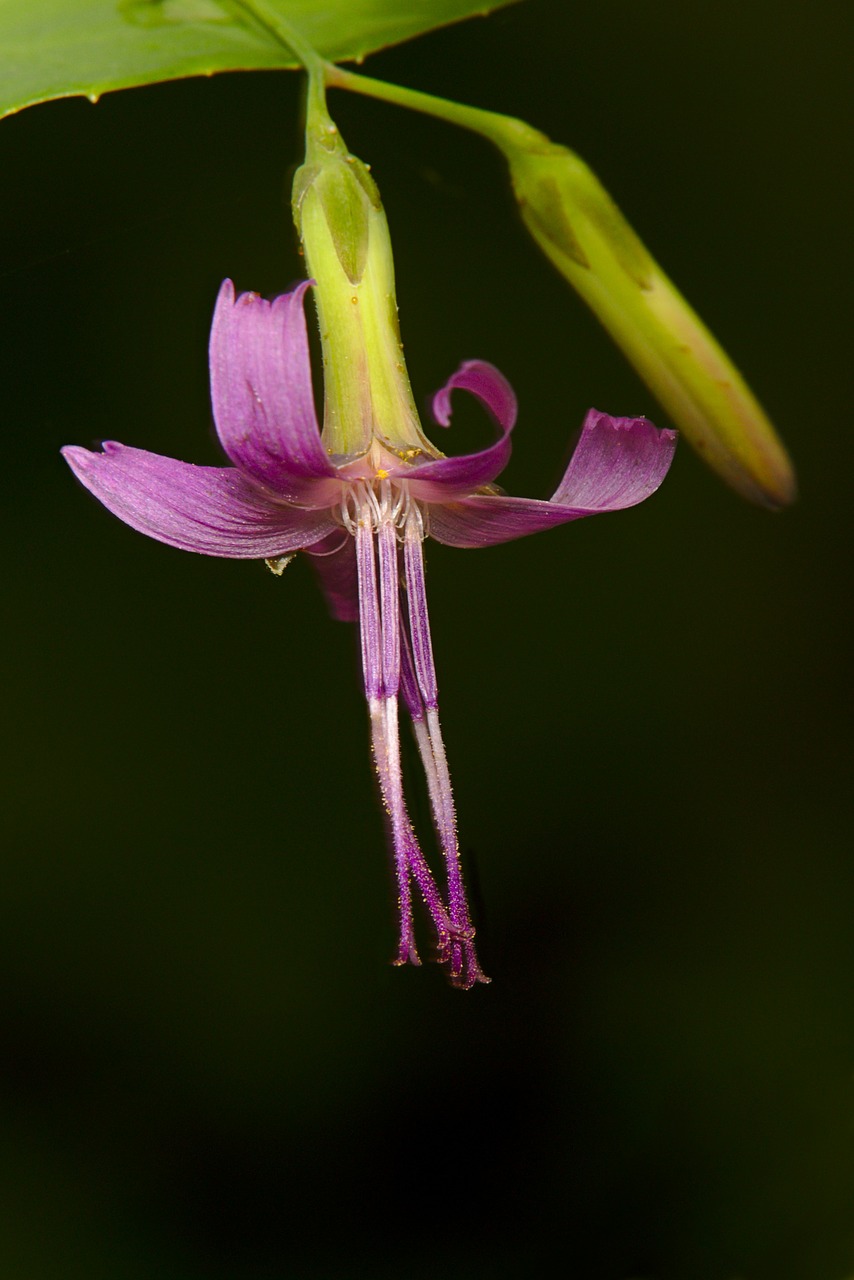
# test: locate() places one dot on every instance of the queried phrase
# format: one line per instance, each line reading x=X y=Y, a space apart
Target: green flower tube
x=345 y=238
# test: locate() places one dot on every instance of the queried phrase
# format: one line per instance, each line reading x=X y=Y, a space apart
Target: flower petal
x=488 y=384
x=485 y=519
x=439 y=479
x=262 y=396
x=618 y=462
x=334 y=561
x=213 y=510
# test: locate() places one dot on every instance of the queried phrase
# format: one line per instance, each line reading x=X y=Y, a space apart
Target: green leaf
x=61 y=48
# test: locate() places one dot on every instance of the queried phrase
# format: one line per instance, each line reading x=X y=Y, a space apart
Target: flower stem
x=499 y=129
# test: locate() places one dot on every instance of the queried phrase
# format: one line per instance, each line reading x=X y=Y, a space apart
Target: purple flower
x=363 y=520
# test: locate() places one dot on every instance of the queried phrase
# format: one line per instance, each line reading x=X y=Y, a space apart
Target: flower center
x=381 y=502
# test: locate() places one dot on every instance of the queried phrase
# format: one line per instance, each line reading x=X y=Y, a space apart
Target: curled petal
x=213 y=510
x=262 y=396
x=488 y=384
x=618 y=462
x=439 y=479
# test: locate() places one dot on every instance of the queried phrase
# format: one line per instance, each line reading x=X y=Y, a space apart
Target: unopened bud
x=579 y=227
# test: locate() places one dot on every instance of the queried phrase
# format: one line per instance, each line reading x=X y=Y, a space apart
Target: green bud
x=581 y=230
x=344 y=233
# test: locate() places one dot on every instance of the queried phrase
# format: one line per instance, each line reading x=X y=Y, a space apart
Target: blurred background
x=208 y=1068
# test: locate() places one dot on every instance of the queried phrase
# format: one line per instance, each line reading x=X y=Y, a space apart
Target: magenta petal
x=488 y=384
x=439 y=479
x=616 y=464
x=213 y=510
x=334 y=560
x=485 y=519
x=262 y=395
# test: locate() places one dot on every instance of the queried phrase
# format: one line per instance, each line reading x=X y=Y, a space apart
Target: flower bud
x=580 y=229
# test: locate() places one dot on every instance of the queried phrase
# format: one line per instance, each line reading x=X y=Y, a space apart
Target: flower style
x=363 y=520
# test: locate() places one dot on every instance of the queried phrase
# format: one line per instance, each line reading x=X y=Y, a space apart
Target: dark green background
x=209 y=1069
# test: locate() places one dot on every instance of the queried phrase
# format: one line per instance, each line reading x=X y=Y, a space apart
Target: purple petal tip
x=485 y=382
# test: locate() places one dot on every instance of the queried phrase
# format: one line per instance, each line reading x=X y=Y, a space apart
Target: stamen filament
x=369 y=613
x=420 y=689
x=390 y=613
x=380 y=631
x=408 y=682
x=419 y=621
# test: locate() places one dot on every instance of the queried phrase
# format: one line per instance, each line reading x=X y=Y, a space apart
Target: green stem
x=501 y=130
x=316 y=67
x=286 y=35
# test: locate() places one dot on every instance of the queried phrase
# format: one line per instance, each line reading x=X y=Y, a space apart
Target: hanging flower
x=361 y=496
x=363 y=518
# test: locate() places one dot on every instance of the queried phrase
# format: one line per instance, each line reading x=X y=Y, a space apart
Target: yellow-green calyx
x=579 y=227
x=344 y=233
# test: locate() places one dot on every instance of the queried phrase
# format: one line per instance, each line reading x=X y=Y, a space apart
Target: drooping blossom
x=363 y=519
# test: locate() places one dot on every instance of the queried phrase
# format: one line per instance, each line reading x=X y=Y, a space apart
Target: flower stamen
x=379 y=609
x=422 y=698
x=379 y=500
